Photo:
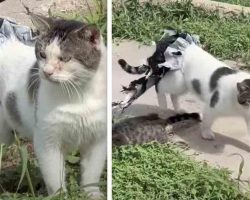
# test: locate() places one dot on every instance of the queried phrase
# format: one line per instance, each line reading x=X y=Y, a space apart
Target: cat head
x=244 y=92
x=67 y=50
x=119 y=139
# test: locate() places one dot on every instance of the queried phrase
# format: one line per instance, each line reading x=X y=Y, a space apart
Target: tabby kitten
x=55 y=94
x=144 y=129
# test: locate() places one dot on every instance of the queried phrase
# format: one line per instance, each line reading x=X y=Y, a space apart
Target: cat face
x=67 y=51
x=244 y=92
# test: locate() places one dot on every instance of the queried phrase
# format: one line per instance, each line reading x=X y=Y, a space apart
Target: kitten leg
x=92 y=164
x=51 y=162
x=206 y=124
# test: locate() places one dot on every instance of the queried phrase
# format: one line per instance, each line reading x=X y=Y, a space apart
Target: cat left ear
x=90 y=33
x=42 y=23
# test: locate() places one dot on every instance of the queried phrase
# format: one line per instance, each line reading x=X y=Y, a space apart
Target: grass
x=97 y=16
x=237 y=2
x=224 y=37
x=12 y=169
x=155 y=171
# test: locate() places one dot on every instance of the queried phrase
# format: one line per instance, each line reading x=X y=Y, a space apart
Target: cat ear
x=241 y=87
x=89 y=33
x=42 y=23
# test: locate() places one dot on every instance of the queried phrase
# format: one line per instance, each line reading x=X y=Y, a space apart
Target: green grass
x=92 y=16
x=158 y=172
x=237 y=2
x=225 y=37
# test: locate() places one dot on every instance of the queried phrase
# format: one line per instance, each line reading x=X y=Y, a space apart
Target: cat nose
x=47 y=73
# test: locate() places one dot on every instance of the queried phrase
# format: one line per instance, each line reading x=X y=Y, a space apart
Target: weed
x=162 y=171
x=95 y=15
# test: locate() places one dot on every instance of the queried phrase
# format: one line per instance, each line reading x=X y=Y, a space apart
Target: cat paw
x=96 y=195
x=207 y=135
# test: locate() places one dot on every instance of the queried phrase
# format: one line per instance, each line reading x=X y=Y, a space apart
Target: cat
x=225 y=91
x=55 y=94
x=144 y=129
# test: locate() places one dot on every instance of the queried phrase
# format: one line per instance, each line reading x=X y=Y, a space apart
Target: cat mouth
x=50 y=79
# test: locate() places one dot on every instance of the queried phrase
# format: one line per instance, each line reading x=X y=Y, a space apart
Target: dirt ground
x=15 y=10
x=231 y=133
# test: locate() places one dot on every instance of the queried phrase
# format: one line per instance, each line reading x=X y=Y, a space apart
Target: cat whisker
x=66 y=86
x=74 y=86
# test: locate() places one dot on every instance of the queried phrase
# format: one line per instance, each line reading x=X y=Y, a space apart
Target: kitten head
x=244 y=92
x=67 y=50
x=119 y=139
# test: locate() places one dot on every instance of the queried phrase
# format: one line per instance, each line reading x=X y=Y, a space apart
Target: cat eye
x=177 y=53
x=42 y=55
x=65 y=58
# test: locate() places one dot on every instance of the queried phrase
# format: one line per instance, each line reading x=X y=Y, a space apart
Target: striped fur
x=131 y=69
x=144 y=129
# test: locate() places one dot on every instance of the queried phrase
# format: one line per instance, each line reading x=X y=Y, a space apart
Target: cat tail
x=131 y=69
x=183 y=117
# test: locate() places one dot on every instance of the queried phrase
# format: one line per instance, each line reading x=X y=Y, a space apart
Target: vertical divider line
x=109 y=99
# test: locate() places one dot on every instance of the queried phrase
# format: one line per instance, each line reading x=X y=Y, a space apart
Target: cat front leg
x=162 y=102
x=51 y=162
x=93 y=159
x=176 y=104
x=206 y=125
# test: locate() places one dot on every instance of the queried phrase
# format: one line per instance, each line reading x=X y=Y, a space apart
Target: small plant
x=24 y=160
x=96 y=15
x=1 y=155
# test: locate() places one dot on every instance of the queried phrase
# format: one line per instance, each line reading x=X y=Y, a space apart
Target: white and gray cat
x=55 y=94
x=225 y=91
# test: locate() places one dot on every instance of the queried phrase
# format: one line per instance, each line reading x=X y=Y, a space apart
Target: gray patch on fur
x=197 y=86
x=214 y=99
x=218 y=73
x=33 y=83
x=11 y=105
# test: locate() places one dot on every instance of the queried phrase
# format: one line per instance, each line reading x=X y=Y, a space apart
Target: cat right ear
x=42 y=23
x=90 y=33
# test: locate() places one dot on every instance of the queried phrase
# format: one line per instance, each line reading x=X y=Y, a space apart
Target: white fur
x=198 y=64
x=64 y=122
